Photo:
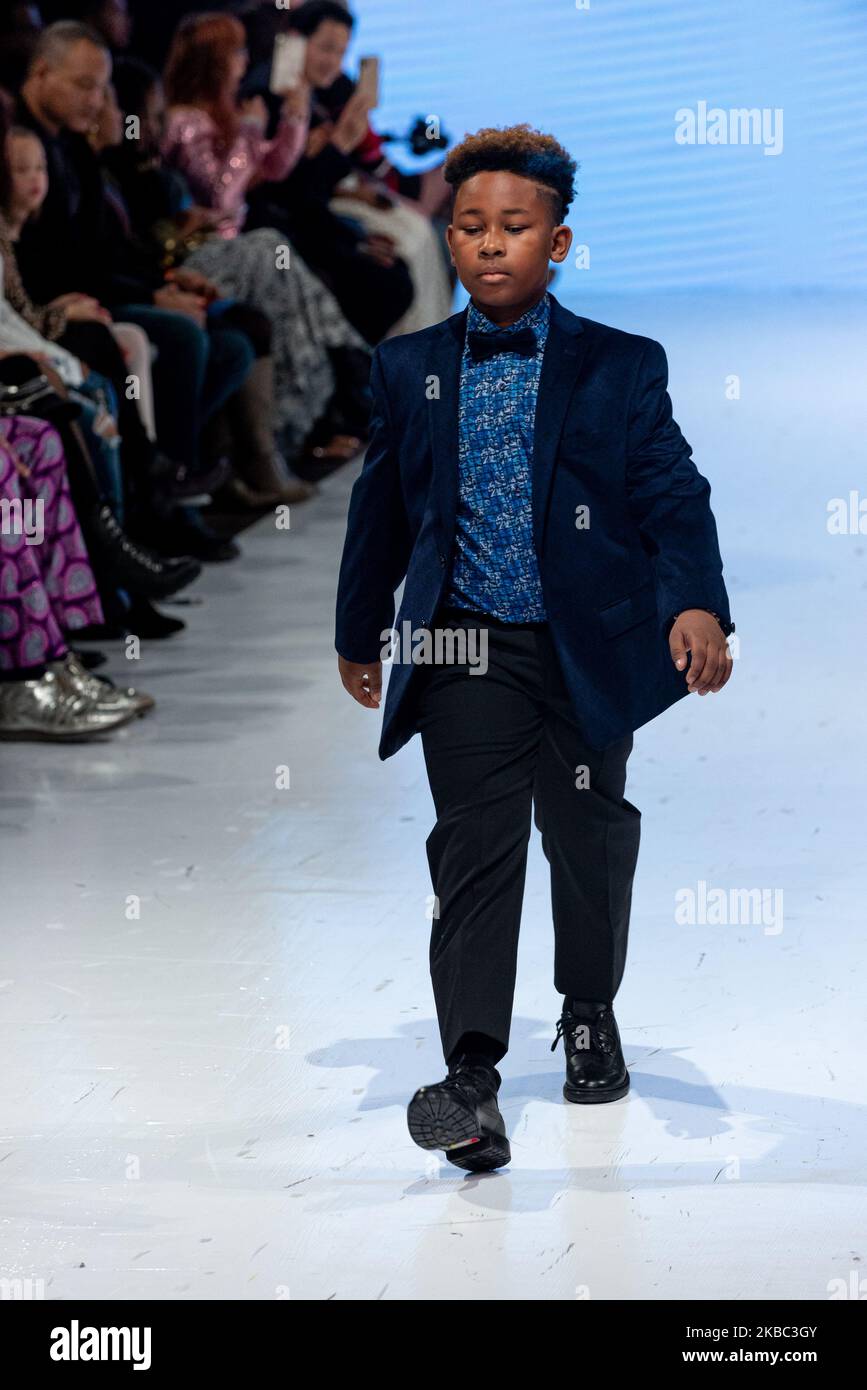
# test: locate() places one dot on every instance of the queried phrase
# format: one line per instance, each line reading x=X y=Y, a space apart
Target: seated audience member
x=26 y=327
x=149 y=197
x=222 y=152
x=129 y=575
x=141 y=270
x=47 y=593
x=371 y=282
x=370 y=192
x=61 y=100
x=92 y=450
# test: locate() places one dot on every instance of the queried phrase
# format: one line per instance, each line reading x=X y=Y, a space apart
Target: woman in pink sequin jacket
x=219 y=146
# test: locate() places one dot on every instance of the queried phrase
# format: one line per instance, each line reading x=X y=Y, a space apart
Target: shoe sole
x=436 y=1119
x=578 y=1097
x=43 y=736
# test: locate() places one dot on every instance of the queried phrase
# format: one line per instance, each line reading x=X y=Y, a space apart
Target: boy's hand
x=699 y=632
x=363 y=680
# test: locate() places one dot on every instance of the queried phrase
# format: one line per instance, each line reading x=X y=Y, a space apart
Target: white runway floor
x=206 y=1098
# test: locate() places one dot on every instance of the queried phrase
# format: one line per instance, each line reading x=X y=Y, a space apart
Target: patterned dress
x=46 y=582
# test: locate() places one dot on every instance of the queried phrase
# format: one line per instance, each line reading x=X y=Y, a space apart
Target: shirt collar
x=535 y=318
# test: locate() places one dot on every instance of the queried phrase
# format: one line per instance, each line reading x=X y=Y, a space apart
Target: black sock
x=477 y=1047
x=585 y=1007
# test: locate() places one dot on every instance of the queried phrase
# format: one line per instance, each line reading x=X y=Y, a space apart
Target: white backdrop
x=607 y=82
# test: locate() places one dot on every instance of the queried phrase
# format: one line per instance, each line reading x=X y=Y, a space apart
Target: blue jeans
x=195 y=372
x=104 y=452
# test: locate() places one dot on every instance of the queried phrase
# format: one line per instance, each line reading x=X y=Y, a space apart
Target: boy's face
x=501 y=239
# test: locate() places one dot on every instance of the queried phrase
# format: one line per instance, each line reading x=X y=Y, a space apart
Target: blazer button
x=442 y=559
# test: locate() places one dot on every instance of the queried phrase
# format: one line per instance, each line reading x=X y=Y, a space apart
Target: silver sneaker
x=108 y=697
x=49 y=709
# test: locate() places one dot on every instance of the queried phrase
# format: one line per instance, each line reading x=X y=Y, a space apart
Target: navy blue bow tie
x=484 y=345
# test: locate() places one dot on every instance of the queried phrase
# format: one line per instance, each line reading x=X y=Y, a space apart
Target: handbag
x=25 y=390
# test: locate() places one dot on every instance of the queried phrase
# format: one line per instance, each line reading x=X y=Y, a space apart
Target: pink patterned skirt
x=46 y=582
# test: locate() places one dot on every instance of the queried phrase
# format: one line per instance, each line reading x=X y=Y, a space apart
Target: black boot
x=126 y=564
x=595 y=1069
x=461 y=1116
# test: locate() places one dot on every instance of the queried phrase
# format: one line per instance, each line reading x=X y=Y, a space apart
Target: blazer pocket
x=628 y=612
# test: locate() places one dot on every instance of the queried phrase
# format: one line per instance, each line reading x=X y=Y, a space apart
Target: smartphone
x=368 y=80
x=287 y=65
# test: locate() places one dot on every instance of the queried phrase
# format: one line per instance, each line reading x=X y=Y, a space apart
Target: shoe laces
x=68 y=703
x=468 y=1079
x=96 y=687
x=601 y=1035
x=130 y=547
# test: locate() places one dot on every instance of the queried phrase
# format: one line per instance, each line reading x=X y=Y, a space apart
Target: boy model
x=526 y=477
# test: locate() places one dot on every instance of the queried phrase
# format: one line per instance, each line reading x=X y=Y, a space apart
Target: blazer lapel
x=565 y=348
x=443 y=372
x=561 y=363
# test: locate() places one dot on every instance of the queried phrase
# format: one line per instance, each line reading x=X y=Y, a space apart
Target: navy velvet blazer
x=605 y=440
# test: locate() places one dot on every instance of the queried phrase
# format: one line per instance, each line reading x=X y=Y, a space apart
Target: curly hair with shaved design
x=516 y=149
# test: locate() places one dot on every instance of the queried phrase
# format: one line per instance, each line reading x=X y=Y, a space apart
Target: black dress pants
x=496 y=744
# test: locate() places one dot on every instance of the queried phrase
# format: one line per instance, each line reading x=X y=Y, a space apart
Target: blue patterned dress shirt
x=495 y=568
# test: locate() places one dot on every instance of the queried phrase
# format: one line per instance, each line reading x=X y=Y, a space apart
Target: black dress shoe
x=595 y=1069
x=186 y=533
x=187 y=484
x=146 y=621
x=461 y=1116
